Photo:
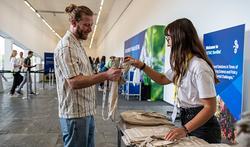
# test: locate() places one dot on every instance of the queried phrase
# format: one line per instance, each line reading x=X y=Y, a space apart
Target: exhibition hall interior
x=123 y=73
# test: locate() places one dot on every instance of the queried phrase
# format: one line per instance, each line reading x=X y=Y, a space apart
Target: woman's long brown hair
x=185 y=41
x=12 y=53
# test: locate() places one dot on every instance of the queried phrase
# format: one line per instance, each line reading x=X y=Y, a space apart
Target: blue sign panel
x=48 y=62
x=134 y=45
x=225 y=49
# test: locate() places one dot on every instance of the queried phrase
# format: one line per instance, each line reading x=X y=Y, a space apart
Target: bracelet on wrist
x=143 y=66
x=186 y=130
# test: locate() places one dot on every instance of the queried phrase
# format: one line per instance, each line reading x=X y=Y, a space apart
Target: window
x=35 y=60
x=18 y=49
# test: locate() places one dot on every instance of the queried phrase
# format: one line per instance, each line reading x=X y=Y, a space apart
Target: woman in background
x=194 y=77
x=102 y=63
x=96 y=64
x=16 y=67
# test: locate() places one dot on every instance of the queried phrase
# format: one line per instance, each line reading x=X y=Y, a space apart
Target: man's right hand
x=113 y=74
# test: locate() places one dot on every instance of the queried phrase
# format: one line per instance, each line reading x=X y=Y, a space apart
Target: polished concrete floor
x=34 y=122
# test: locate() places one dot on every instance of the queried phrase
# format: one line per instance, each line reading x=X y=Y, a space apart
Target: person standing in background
x=102 y=64
x=76 y=80
x=96 y=64
x=91 y=62
x=27 y=64
x=21 y=61
x=16 y=67
x=108 y=64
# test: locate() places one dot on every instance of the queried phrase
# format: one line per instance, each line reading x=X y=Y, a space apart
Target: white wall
x=91 y=52
x=246 y=93
x=7 y=53
x=112 y=43
x=207 y=16
x=22 y=24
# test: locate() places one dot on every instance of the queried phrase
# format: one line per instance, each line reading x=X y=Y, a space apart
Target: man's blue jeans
x=78 y=132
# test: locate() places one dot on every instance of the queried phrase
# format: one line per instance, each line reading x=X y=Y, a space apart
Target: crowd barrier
x=50 y=74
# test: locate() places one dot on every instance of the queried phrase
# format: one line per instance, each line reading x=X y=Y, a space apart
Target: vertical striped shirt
x=70 y=60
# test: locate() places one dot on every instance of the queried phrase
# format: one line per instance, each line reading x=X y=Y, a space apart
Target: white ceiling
x=59 y=21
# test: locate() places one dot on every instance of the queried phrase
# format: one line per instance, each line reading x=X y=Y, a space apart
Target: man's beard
x=80 y=34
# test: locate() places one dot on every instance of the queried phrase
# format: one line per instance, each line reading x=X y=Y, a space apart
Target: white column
x=7 y=52
x=246 y=80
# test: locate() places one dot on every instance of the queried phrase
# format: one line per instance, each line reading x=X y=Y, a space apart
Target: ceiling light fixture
x=44 y=21
x=96 y=23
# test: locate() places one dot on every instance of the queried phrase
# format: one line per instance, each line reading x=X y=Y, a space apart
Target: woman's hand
x=134 y=62
x=176 y=133
x=154 y=75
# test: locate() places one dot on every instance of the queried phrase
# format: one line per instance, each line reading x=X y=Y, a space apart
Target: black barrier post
x=34 y=82
x=49 y=77
x=43 y=79
x=52 y=77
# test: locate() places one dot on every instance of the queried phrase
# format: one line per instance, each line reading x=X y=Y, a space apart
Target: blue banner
x=133 y=46
x=225 y=49
x=149 y=47
x=48 y=62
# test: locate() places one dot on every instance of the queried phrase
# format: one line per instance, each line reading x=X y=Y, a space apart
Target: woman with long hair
x=102 y=63
x=194 y=78
x=96 y=64
x=15 y=64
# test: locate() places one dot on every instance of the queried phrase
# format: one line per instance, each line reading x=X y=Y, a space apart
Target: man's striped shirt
x=70 y=60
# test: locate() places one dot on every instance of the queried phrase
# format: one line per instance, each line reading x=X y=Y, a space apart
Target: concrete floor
x=34 y=122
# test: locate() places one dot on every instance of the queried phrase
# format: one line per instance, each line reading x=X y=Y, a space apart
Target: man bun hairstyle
x=70 y=8
x=75 y=12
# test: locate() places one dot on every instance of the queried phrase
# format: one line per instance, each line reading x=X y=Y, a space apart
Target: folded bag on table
x=145 y=118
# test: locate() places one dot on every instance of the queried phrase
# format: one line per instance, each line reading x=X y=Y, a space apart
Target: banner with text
x=149 y=47
x=48 y=62
x=225 y=49
x=134 y=45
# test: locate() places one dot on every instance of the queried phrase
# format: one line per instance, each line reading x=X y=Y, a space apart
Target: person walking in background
x=27 y=64
x=16 y=67
x=76 y=81
x=194 y=78
x=107 y=66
